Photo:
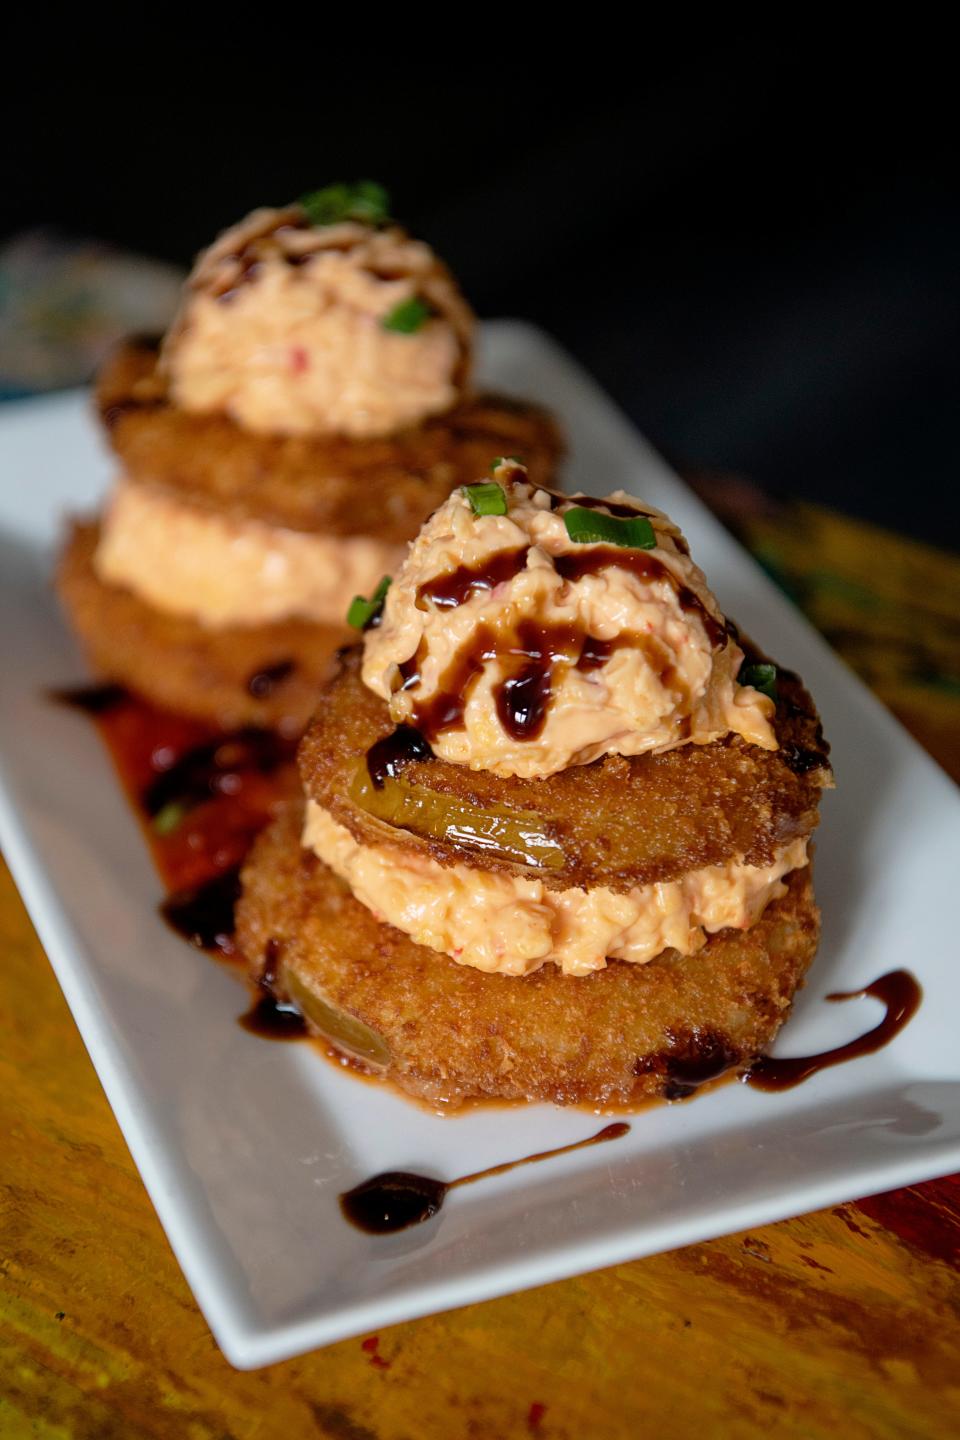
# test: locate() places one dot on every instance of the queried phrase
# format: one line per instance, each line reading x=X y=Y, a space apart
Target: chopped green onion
x=407 y=317
x=362 y=612
x=486 y=499
x=762 y=677
x=170 y=816
x=505 y=460
x=363 y=200
x=590 y=527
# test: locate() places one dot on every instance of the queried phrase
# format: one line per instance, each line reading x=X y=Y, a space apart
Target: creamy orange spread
x=611 y=650
x=220 y=570
x=283 y=328
x=512 y=925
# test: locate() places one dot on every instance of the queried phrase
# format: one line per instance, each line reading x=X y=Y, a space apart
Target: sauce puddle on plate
x=202 y=795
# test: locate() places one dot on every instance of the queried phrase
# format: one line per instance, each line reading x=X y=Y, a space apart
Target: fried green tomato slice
x=446 y=1033
x=617 y=822
x=385 y=487
x=262 y=675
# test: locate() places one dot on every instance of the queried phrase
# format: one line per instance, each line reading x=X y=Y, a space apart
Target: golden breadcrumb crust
x=384 y=487
x=265 y=675
x=619 y=1036
x=618 y=822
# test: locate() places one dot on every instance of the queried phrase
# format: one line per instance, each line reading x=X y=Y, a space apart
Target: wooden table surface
x=845 y=1322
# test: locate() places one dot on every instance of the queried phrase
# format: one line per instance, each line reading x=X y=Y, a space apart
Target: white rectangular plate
x=245 y=1146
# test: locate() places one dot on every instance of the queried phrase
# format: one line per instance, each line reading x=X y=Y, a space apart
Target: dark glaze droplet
x=393 y=1201
x=256 y=247
x=204 y=915
x=204 y=770
x=646 y=567
x=398 y=1199
x=456 y=587
x=387 y=757
x=114 y=413
x=801 y=760
x=145 y=340
x=444 y=711
x=270 y=1016
x=613 y=507
x=91 y=699
x=532 y=651
x=560 y=500
x=899 y=991
x=685 y=1074
x=597 y=652
x=522 y=701
x=262 y=683
x=274 y=1019
x=691 y=1058
x=410 y=669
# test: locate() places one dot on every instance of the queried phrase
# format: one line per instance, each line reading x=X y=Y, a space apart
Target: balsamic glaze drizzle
x=133 y=404
x=448 y=591
x=257 y=245
x=270 y=1016
x=532 y=651
x=387 y=757
x=559 y=498
x=262 y=683
x=210 y=768
x=91 y=699
x=274 y=1019
x=800 y=759
x=398 y=1199
x=899 y=991
x=204 y=913
x=594 y=558
x=214 y=768
x=686 y=1073
x=523 y=697
x=613 y=507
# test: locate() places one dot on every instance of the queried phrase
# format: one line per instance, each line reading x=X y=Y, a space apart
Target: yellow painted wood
x=824 y=1326
x=891 y=607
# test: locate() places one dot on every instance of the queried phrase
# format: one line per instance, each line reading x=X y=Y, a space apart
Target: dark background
x=750 y=242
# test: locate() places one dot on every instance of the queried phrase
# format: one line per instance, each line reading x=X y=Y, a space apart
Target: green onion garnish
x=170 y=816
x=363 y=200
x=590 y=527
x=506 y=460
x=363 y=612
x=486 y=499
x=762 y=677
x=407 y=317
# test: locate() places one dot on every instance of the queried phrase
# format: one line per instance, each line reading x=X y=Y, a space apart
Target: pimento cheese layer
x=511 y=925
x=222 y=571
